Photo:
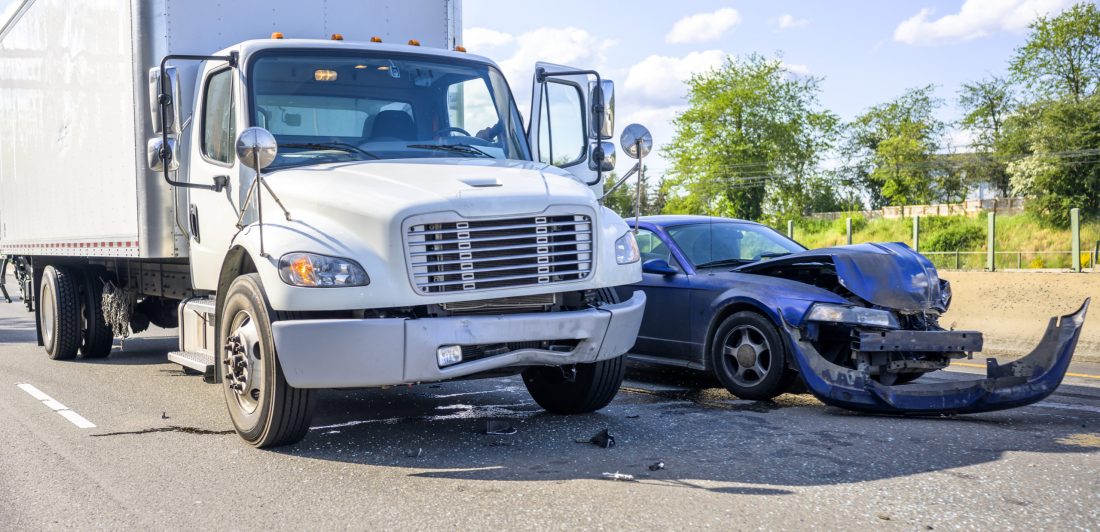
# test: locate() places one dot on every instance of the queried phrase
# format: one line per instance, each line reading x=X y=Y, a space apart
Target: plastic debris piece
x=163 y=414
x=496 y=427
x=633 y=416
x=602 y=439
x=415 y=454
x=619 y=476
x=656 y=466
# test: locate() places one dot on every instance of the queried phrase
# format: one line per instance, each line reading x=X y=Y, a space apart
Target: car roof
x=669 y=220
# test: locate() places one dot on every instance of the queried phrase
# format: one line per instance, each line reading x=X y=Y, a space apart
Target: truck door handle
x=193 y=220
x=220 y=182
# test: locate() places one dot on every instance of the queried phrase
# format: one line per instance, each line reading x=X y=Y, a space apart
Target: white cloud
x=477 y=39
x=703 y=27
x=975 y=19
x=797 y=69
x=659 y=79
x=789 y=21
x=564 y=46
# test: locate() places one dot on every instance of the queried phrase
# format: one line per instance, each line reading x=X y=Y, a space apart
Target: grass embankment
x=1022 y=241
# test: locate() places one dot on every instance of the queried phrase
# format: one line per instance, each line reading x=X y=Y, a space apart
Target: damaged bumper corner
x=1022 y=382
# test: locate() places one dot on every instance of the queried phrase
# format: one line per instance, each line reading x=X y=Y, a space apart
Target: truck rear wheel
x=266 y=411
x=96 y=336
x=578 y=389
x=59 y=312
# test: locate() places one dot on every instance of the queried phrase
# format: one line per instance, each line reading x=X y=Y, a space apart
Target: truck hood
x=470 y=187
x=888 y=275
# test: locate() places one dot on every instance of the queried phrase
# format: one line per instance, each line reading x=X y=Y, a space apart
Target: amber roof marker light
x=460 y=48
x=376 y=39
x=414 y=42
x=337 y=37
x=276 y=35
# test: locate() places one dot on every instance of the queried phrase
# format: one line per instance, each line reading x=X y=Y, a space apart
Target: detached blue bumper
x=1022 y=382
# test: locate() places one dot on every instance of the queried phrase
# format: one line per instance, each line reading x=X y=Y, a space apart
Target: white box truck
x=319 y=195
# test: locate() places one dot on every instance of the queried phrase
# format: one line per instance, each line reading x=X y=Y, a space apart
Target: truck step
x=200 y=362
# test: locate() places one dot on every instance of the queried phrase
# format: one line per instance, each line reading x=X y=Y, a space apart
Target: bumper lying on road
x=1022 y=382
x=377 y=352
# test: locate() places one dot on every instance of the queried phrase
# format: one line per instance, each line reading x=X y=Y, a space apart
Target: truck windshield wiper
x=468 y=149
x=723 y=262
x=338 y=146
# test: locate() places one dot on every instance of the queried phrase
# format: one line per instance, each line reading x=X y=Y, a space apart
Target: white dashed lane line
x=53 y=404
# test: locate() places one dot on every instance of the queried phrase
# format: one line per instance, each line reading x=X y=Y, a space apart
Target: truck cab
x=403 y=227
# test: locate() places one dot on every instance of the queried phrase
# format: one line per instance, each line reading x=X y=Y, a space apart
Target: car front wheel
x=749 y=357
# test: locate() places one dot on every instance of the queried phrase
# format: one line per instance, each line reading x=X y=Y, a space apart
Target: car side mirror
x=659 y=267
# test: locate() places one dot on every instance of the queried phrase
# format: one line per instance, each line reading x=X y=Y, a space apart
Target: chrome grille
x=457 y=256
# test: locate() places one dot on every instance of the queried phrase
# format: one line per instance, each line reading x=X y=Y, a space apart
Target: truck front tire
x=59 y=312
x=579 y=389
x=266 y=411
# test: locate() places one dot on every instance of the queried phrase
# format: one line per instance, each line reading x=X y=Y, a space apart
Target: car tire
x=749 y=357
x=579 y=389
x=59 y=312
x=96 y=337
x=266 y=411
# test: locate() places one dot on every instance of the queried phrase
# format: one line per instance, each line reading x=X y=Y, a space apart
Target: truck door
x=564 y=128
x=212 y=216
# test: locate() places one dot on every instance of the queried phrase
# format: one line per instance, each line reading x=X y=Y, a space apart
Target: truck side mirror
x=173 y=111
x=256 y=148
x=601 y=118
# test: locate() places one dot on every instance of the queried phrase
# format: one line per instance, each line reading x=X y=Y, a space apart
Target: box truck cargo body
x=330 y=194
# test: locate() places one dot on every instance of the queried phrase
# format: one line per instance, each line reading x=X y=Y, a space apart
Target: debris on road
x=656 y=466
x=602 y=439
x=496 y=427
x=619 y=476
x=415 y=454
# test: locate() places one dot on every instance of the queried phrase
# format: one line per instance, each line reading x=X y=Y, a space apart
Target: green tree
x=1062 y=54
x=987 y=104
x=751 y=138
x=891 y=149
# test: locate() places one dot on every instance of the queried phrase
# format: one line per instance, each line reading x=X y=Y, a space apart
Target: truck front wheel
x=578 y=389
x=266 y=411
x=59 y=312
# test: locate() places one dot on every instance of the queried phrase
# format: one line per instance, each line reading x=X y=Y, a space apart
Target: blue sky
x=866 y=51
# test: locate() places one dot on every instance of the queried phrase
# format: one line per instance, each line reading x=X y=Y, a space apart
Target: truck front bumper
x=353 y=353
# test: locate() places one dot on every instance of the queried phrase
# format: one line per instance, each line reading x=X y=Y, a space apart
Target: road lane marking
x=1068 y=374
x=51 y=403
x=1066 y=406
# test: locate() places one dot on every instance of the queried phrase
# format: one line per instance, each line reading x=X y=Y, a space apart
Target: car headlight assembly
x=626 y=249
x=852 y=315
x=945 y=294
x=321 y=271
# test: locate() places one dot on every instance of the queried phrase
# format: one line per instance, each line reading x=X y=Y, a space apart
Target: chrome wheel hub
x=750 y=353
x=242 y=363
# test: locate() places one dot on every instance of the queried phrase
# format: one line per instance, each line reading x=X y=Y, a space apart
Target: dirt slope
x=1012 y=308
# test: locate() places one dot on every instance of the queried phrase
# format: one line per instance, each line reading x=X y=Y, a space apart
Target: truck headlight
x=852 y=315
x=312 y=270
x=626 y=249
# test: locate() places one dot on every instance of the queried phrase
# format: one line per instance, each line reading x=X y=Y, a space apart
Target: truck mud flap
x=1019 y=383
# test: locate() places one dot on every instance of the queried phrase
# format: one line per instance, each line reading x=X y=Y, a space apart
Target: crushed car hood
x=889 y=275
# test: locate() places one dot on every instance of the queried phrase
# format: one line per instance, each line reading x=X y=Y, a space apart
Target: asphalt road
x=162 y=455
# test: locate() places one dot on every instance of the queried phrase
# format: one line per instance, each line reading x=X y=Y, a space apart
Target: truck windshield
x=336 y=108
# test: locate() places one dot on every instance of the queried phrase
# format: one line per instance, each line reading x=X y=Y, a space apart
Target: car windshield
x=718 y=244
x=368 y=106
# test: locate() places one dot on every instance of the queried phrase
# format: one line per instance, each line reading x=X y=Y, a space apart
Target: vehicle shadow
x=17 y=330
x=705 y=438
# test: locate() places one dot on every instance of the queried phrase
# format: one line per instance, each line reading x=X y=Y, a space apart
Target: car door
x=666 y=323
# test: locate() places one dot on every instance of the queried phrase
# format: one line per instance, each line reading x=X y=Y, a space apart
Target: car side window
x=218 y=127
x=652 y=247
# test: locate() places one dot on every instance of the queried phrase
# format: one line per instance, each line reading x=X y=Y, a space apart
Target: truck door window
x=218 y=128
x=561 y=130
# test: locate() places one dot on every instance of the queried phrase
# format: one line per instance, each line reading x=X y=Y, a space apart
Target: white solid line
x=35 y=392
x=51 y=403
x=1065 y=406
x=77 y=419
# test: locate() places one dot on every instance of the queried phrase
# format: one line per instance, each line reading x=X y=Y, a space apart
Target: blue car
x=857 y=324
